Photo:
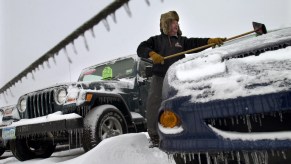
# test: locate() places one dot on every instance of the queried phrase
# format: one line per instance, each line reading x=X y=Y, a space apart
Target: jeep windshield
x=112 y=70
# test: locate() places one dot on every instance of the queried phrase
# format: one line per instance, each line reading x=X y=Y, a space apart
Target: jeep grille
x=40 y=104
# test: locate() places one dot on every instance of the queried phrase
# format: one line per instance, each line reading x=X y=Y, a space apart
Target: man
x=157 y=47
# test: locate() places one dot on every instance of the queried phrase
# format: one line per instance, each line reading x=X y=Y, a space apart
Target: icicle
x=5 y=99
x=255 y=117
x=273 y=152
x=220 y=123
x=237 y=122
x=74 y=48
x=193 y=156
x=232 y=156
x=11 y=92
x=32 y=75
x=238 y=157
x=208 y=158
x=226 y=161
x=114 y=17
x=221 y=156
x=92 y=32
x=215 y=160
x=67 y=55
x=48 y=64
x=184 y=157
x=127 y=9
x=199 y=158
x=255 y=157
x=232 y=121
x=213 y=122
x=260 y=121
x=246 y=157
x=54 y=60
x=266 y=157
x=85 y=42
x=42 y=66
x=224 y=121
x=244 y=120
x=281 y=116
x=260 y=157
x=249 y=123
x=148 y=2
x=284 y=155
x=106 y=24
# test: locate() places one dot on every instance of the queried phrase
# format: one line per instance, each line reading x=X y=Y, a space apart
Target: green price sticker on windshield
x=107 y=73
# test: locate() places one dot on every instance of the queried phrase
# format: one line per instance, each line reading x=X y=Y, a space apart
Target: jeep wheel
x=102 y=122
x=25 y=149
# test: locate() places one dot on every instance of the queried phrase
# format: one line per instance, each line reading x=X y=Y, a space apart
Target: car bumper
x=198 y=135
x=12 y=132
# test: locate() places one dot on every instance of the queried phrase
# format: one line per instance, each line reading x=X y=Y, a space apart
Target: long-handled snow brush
x=259 y=29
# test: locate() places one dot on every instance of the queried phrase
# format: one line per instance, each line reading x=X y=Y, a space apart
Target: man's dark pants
x=153 y=104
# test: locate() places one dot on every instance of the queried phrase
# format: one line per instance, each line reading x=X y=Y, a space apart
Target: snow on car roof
x=206 y=76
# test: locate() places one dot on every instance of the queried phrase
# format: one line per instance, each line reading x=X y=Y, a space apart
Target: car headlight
x=169 y=119
x=22 y=105
x=61 y=96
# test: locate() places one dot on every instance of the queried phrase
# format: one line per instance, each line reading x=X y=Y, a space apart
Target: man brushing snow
x=169 y=42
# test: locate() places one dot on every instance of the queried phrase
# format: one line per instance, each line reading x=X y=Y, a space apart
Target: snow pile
x=123 y=149
x=205 y=77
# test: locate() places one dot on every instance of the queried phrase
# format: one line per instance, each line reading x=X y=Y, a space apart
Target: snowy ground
x=124 y=149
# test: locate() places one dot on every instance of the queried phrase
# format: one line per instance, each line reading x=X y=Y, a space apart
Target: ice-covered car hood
x=215 y=74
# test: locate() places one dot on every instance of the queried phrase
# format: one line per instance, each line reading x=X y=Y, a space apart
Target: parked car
x=8 y=115
x=108 y=100
x=231 y=102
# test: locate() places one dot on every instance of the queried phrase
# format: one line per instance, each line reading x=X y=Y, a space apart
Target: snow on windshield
x=205 y=77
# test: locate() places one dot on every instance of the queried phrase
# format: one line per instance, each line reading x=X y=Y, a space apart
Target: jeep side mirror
x=148 y=71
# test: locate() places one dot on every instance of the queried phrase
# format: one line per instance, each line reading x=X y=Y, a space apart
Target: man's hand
x=157 y=58
x=216 y=41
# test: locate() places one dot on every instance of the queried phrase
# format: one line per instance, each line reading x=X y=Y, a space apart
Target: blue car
x=231 y=102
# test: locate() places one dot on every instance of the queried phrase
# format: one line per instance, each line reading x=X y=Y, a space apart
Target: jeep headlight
x=61 y=96
x=22 y=105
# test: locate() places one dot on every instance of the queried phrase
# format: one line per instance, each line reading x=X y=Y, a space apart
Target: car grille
x=40 y=104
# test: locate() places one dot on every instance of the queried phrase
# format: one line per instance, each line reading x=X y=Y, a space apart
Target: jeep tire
x=102 y=122
x=24 y=149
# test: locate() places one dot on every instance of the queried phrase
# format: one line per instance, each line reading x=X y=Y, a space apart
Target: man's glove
x=157 y=58
x=216 y=41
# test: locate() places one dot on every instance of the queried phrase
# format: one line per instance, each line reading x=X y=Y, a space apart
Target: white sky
x=29 y=28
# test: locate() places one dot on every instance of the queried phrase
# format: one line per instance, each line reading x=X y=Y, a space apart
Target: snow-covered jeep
x=108 y=100
x=231 y=102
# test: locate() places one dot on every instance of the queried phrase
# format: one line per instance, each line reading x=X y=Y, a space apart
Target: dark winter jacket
x=168 y=45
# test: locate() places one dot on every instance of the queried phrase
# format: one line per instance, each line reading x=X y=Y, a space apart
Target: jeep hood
x=115 y=86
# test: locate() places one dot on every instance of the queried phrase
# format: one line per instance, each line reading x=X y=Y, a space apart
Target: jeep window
x=112 y=70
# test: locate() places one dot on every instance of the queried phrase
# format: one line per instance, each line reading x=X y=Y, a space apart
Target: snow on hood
x=205 y=77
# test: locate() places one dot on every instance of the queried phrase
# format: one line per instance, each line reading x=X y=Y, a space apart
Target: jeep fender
x=115 y=99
